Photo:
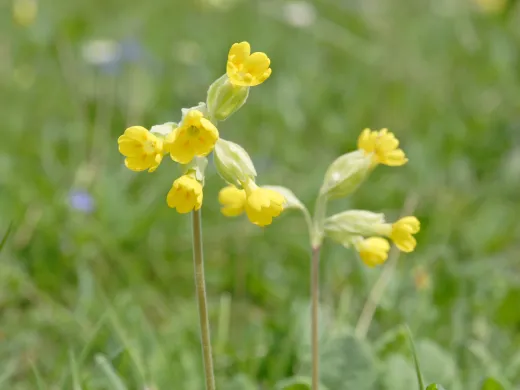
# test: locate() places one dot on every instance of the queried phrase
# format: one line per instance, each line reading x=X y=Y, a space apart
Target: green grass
x=106 y=300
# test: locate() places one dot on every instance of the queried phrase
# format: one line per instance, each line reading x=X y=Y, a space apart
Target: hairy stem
x=315 y=289
x=200 y=284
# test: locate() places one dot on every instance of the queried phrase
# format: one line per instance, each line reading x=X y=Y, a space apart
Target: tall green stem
x=316 y=241
x=200 y=284
x=315 y=293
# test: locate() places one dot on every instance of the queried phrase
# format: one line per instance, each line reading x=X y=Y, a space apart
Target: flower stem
x=315 y=289
x=200 y=284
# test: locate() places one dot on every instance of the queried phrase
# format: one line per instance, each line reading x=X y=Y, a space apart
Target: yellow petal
x=257 y=63
x=136 y=164
x=239 y=52
x=129 y=147
x=137 y=133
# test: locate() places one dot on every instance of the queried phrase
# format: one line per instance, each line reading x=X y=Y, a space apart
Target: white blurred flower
x=299 y=13
x=101 y=51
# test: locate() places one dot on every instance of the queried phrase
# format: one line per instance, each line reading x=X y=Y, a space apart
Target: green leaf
x=346 y=363
x=438 y=364
x=491 y=384
x=241 y=382
x=435 y=386
x=398 y=373
x=297 y=383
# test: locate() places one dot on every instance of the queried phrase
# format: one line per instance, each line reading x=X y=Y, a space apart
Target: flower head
x=142 y=149
x=185 y=194
x=246 y=69
x=383 y=146
x=195 y=136
x=401 y=233
x=233 y=201
x=262 y=204
x=373 y=251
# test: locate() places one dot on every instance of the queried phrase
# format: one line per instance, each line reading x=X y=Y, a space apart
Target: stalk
x=200 y=284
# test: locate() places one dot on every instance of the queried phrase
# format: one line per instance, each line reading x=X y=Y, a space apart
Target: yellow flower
x=373 y=251
x=196 y=136
x=401 y=233
x=383 y=146
x=233 y=201
x=185 y=194
x=142 y=149
x=262 y=204
x=245 y=69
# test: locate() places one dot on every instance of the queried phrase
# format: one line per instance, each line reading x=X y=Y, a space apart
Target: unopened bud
x=343 y=226
x=345 y=174
x=224 y=98
x=233 y=163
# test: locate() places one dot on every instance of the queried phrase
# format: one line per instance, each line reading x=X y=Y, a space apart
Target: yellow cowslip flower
x=383 y=146
x=373 y=251
x=233 y=201
x=245 y=69
x=262 y=204
x=185 y=195
x=195 y=136
x=401 y=233
x=142 y=149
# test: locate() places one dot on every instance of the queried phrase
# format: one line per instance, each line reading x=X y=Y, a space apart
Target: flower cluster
x=363 y=230
x=196 y=136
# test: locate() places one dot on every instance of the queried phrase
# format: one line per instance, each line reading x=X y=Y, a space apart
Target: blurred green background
x=96 y=281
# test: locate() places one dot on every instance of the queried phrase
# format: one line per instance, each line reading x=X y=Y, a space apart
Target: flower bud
x=345 y=174
x=233 y=163
x=224 y=98
x=343 y=226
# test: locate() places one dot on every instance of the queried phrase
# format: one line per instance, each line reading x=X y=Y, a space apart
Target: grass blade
x=114 y=379
x=420 y=380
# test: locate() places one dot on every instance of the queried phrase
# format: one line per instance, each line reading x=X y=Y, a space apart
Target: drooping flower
x=233 y=201
x=373 y=250
x=401 y=233
x=142 y=149
x=262 y=204
x=383 y=146
x=185 y=195
x=246 y=69
x=195 y=136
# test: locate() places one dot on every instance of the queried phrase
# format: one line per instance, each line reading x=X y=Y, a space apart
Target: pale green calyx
x=224 y=98
x=233 y=163
x=164 y=129
x=345 y=174
x=198 y=166
x=199 y=107
x=343 y=227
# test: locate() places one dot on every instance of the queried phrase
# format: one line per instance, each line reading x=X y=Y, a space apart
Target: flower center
x=193 y=131
x=149 y=147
